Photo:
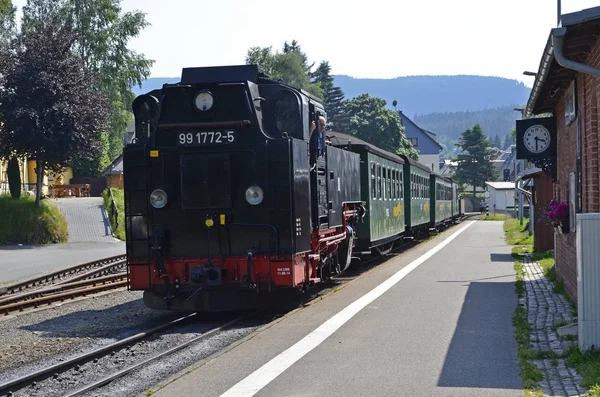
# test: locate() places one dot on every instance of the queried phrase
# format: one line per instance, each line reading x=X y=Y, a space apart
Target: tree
x=507 y=141
x=290 y=66
x=14 y=177
x=51 y=109
x=7 y=21
x=497 y=142
x=474 y=165
x=333 y=96
x=368 y=119
x=102 y=34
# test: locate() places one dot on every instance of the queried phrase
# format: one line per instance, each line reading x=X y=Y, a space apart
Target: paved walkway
x=90 y=238
x=545 y=309
x=434 y=321
x=86 y=219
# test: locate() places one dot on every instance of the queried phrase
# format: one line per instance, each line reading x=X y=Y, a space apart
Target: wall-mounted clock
x=537 y=139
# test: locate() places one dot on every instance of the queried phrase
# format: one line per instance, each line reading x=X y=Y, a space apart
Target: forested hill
x=421 y=94
x=449 y=125
x=431 y=94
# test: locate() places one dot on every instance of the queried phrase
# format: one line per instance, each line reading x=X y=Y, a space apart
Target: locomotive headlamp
x=158 y=198
x=254 y=195
x=204 y=101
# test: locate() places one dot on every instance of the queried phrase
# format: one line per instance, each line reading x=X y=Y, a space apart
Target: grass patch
x=546 y=261
x=119 y=196
x=497 y=217
x=517 y=234
x=587 y=365
x=24 y=222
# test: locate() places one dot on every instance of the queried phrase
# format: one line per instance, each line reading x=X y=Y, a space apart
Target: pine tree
x=474 y=165
x=507 y=141
x=333 y=96
x=497 y=142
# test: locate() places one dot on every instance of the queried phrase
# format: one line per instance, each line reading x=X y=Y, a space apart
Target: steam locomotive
x=229 y=197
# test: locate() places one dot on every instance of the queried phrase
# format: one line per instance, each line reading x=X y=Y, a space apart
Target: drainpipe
x=558 y=39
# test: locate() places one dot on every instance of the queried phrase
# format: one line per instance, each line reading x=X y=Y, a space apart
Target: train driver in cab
x=320 y=134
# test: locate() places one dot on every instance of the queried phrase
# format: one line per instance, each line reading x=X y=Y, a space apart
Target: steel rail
x=60 y=287
x=89 y=355
x=58 y=274
x=79 y=288
x=172 y=350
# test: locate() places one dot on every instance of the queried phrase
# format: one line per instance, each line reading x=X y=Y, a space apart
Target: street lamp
x=526 y=73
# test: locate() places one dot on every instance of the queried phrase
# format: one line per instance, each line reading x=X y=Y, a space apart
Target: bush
x=24 y=222
x=119 y=196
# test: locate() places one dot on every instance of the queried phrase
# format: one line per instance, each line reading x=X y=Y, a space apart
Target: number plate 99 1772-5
x=205 y=138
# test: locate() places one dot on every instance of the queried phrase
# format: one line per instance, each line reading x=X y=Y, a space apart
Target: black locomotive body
x=228 y=198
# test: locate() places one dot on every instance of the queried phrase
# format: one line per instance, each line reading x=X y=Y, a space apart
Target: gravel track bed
x=140 y=380
x=64 y=330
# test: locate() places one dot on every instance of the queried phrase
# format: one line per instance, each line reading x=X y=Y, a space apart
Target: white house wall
x=429 y=160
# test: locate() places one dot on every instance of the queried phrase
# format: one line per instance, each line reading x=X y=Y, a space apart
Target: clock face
x=536 y=139
x=204 y=101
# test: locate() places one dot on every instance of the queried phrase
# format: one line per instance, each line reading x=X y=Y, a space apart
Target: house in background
x=423 y=141
x=501 y=197
x=29 y=177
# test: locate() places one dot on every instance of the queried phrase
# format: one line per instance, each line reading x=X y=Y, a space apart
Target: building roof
x=552 y=79
x=114 y=168
x=501 y=185
x=428 y=134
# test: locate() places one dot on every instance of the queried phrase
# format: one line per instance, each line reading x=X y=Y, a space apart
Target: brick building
x=567 y=85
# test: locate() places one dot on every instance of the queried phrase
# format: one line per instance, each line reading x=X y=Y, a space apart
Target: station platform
x=435 y=320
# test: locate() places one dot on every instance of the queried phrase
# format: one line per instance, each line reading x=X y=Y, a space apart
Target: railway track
x=69 y=283
x=61 y=292
x=101 y=374
x=83 y=271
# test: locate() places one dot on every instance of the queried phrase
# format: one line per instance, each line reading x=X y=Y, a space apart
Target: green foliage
x=333 y=96
x=24 y=222
x=7 y=21
x=50 y=109
x=290 y=66
x=103 y=33
x=369 y=119
x=13 y=173
x=517 y=234
x=474 y=167
x=587 y=365
x=496 y=142
x=119 y=197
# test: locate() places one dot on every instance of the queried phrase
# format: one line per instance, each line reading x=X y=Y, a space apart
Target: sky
x=366 y=39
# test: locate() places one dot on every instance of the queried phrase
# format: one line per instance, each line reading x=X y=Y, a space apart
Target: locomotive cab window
x=286 y=108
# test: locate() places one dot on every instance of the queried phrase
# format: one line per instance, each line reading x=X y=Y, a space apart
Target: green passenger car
x=417 y=193
x=455 y=200
x=441 y=191
x=382 y=189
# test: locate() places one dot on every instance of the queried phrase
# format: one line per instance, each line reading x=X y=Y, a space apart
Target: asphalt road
x=18 y=263
x=444 y=329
